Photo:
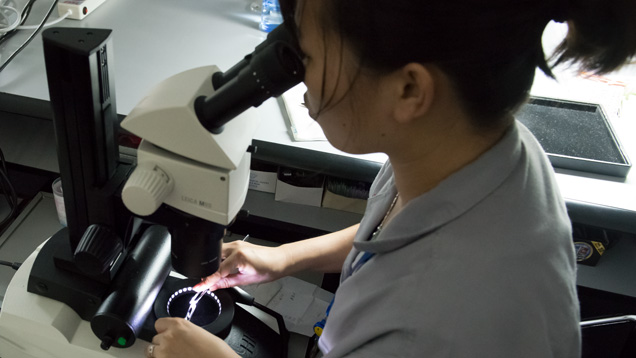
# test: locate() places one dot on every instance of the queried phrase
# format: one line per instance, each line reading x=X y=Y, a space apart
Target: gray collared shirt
x=480 y=266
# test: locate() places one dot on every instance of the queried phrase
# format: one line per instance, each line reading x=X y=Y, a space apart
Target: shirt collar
x=450 y=199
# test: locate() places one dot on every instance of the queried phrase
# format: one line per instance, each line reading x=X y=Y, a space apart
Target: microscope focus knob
x=97 y=250
x=146 y=189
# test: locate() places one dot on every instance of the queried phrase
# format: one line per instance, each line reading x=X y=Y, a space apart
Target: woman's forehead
x=306 y=15
x=298 y=15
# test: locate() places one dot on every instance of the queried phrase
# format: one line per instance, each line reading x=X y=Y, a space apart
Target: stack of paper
x=301 y=304
x=302 y=126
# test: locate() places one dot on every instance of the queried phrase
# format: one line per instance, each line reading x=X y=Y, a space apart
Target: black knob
x=97 y=250
x=243 y=214
x=107 y=342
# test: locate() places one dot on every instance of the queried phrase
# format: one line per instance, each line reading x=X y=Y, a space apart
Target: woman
x=465 y=248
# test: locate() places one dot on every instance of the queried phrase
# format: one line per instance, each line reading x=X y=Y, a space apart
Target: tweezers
x=193 y=304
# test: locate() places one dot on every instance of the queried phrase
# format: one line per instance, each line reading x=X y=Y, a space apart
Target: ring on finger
x=150 y=351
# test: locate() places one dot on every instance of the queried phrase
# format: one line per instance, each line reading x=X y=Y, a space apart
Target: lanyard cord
x=366 y=256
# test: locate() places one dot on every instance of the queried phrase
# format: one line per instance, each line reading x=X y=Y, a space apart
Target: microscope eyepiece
x=284 y=32
x=270 y=72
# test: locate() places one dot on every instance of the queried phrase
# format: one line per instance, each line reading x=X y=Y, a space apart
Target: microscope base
x=34 y=326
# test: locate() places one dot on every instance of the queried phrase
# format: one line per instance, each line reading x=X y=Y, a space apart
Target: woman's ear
x=415 y=85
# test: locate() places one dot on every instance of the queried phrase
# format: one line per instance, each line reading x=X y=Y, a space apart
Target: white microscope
x=104 y=280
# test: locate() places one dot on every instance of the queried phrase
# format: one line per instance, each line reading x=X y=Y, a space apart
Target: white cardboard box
x=263 y=181
x=299 y=187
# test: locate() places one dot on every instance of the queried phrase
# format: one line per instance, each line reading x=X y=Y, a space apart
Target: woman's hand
x=177 y=337
x=243 y=264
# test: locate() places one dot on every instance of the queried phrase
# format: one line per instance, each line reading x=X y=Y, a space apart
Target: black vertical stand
x=82 y=93
x=78 y=63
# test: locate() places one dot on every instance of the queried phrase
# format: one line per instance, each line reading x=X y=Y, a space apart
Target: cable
x=16 y=52
x=59 y=19
x=15 y=24
x=26 y=11
x=22 y=17
x=13 y=265
x=8 y=190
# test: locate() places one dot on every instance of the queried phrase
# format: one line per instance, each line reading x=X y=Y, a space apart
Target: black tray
x=575 y=136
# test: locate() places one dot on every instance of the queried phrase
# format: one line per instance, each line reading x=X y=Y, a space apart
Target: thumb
x=219 y=278
x=207 y=282
x=162 y=324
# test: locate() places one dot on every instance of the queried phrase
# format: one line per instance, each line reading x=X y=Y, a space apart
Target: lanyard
x=319 y=326
x=366 y=256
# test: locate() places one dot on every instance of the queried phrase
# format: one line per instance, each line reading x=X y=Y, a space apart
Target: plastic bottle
x=270 y=15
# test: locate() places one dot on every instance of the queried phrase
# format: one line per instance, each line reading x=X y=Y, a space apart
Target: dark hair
x=490 y=49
